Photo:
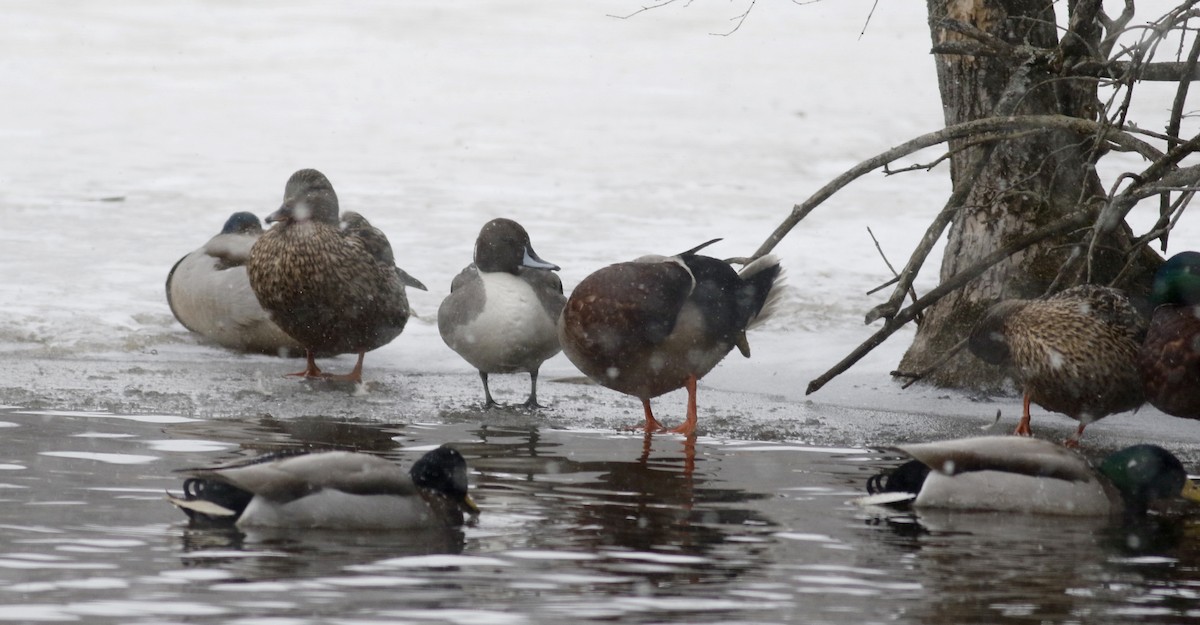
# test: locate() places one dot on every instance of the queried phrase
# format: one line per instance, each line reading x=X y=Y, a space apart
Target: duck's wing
x=1006 y=454
x=171 y=299
x=469 y=275
x=1107 y=304
x=229 y=250
x=548 y=287
x=639 y=302
x=290 y=478
x=373 y=240
x=410 y=281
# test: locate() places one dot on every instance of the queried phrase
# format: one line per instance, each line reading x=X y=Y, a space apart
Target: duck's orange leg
x=652 y=424
x=355 y=374
x=688 y=427
x=1023 y=424
x=1073 y=440
x=311 y=370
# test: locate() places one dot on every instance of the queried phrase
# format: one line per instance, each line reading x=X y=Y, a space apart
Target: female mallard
x=1074 y=352
x=1170 y=355
x=1029 y=475
x=209 y=293
x=334 y=490
x=502 y=312
x=659 y=323
x=332 y=285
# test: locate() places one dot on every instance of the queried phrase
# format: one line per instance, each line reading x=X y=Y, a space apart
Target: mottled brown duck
x=331 y=284
x=1074 y=352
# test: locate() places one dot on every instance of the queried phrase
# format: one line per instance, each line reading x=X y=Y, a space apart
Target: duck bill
x=533 y=260
x=283 y=214
x=469 y=504
x=1191 y=492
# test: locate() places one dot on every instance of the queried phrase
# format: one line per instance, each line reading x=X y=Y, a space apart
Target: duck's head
x=444 y=471
x=308 y=196
x=1147 y=473
x=1177 y=281
x=503 y=245
x=988 y=341
x=242 y=223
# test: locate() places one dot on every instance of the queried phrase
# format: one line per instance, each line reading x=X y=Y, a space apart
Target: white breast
x=513 y=333
x=1011 y=492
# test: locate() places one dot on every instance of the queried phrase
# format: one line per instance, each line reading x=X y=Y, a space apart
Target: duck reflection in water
x=660 y=501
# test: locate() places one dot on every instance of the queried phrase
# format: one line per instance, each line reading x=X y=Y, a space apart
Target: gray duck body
x=502 y=312
x=209 y=292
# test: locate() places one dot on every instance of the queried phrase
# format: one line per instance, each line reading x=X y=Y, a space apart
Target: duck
x=330 y=490
x=1031 y=476
x=502 y=312
x=1074 y=352
x=331 y=284
x=209 y=293
x=1169 y=357
x=660 y=323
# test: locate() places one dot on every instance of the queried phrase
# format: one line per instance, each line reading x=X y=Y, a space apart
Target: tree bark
x=1011 y=188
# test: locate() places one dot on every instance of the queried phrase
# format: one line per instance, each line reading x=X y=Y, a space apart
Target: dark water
x=577 y=526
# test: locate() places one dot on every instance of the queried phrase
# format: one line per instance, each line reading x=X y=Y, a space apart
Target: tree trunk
x=1017 y=186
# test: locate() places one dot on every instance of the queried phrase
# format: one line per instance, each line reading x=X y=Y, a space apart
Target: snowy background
x=132 y=129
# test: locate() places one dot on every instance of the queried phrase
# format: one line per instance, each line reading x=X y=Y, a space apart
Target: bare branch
x=1001 y=126
x=1066 y=224
x=913 y=378
x=740 y=19
x=871 y=14
x=649 y=7
x=879 y=248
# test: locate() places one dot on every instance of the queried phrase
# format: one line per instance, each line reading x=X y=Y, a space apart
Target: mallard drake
x=1029 y=475
x=1170 y=355
x=209 y=293
x=332 y=285
x=333 y=490
x=660 y=323
x=502 y=312
x=1074 y=352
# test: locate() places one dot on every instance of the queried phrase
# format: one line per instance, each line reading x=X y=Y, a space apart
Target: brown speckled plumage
x=1170 y=355
x=1074 y=353
x=329 y=286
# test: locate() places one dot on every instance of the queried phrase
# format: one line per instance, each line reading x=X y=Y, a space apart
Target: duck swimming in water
x=1031 y=476
x=331 y=490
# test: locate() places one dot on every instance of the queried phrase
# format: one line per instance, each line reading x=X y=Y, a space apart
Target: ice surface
x=134 y=128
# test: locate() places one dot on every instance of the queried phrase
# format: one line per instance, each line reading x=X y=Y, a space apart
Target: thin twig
x=913 y=378
x=868 y=22
x=740 y=19
x=649 y=7
x=1066 y=224
x=879 y=248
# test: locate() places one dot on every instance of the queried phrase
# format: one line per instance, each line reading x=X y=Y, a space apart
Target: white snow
x=133 y=128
